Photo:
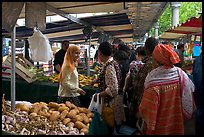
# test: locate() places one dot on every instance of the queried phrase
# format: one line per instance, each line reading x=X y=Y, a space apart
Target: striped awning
x=191 y=26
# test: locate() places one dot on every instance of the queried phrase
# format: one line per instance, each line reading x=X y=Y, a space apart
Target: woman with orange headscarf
x=69 y=83
x=168 y=97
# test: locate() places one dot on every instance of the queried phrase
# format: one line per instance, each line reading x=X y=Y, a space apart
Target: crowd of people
x=146 y=83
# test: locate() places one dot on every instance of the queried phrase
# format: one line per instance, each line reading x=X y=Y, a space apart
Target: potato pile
x=66 y=117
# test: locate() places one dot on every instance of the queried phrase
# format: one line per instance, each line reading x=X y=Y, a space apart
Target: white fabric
x=40 y=47
x=187 y=87
x=69 y=85
x=161 y=75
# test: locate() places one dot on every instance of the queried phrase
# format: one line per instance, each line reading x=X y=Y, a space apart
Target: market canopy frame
x=142 y=15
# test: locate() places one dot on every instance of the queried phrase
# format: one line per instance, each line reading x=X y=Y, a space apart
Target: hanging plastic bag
x=40 y=47
x=96 y=105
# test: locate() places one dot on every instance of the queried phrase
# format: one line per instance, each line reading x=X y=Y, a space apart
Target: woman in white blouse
x=69 y=83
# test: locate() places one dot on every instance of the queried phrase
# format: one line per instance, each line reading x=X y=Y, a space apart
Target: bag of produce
x=108 y=115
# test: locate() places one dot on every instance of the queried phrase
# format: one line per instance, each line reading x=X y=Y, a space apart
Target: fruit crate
x=22 y=67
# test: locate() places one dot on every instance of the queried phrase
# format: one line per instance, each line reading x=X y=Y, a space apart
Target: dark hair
x=180 y=46
x=65 y=42
x=140 y=51
x=120 y=55
x=105 y=48
x=150 y=44
x=96 y=55
x=124 y=47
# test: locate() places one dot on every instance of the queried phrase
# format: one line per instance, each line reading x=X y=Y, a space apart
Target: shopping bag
x=97 y=126
x=96 y=105
x=108 y=115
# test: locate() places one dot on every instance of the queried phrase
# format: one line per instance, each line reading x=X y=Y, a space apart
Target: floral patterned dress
x=109 y=81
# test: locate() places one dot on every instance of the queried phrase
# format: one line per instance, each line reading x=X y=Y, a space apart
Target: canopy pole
x=88 y=62
x=13 y=68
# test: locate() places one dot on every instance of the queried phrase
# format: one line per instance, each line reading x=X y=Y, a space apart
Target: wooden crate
x=6 y=71
x=22 y=65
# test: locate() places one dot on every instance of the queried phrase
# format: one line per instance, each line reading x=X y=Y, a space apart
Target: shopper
x=109 y=83
x=59 y=56
x=198 y=94
x=122 y=58
x=164 y=105
x=180 y=51
x=134 y=67
x=69 y=83
x=138 y=86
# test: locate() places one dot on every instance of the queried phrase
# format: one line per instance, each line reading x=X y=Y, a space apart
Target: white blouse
x=69 y=85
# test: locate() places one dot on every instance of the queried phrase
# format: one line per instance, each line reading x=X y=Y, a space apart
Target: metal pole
x=13 y=68
x=88 y=61
x=175 y=13
x=156 y=26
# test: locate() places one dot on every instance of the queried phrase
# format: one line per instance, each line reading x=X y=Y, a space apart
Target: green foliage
x=186 y=11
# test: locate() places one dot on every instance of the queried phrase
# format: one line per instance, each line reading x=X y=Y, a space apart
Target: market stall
x=45 y=93
x=40 y=91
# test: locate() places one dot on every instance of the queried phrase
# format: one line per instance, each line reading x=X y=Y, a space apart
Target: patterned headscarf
x=165 y=55
x=136 y=65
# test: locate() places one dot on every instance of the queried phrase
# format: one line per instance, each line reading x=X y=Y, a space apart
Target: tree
x=186 y=11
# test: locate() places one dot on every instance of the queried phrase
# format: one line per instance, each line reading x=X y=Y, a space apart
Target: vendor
x=59 y=56
x=96 y=65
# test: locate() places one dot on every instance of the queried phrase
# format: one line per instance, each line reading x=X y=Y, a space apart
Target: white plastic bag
x=96 y=105
x=40 y=47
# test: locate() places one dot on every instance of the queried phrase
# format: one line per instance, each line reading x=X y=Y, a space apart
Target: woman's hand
x=81 y=91
x=138 y=115
x=93 y=82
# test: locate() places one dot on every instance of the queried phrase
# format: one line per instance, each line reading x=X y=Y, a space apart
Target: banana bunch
x=85 y=80
x=97 y=68
x=54 y=78
x=95 y=85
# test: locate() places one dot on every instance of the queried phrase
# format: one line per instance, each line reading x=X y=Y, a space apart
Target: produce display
x=86 y=80
x=54 y=78
x=46 y=118
x=83 y=79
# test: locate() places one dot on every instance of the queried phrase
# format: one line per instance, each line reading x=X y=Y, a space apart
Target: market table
x=40 y=91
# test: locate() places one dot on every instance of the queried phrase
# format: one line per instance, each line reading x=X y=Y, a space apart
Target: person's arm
x=127 y=81
x=57 y=67
x=149 y=107
x=111 y=82
x=57 y=62
x=93 y=82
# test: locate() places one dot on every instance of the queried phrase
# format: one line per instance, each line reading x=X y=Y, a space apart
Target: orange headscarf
x=68 y=63
x=165 y=55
